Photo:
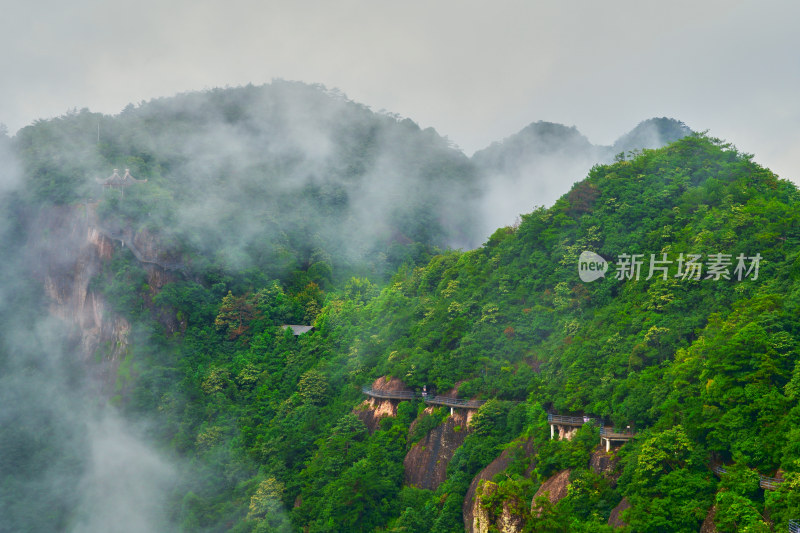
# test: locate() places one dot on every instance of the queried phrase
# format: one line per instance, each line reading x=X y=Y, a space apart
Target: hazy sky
x=475 y=71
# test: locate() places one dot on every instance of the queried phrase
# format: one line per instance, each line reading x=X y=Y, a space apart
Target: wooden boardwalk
x=617 y=434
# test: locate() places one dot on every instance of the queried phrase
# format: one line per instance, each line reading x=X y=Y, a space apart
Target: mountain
x=703 y=370
x=651 y=133
x=149 y=381
x=540 y=163
x=278 y=178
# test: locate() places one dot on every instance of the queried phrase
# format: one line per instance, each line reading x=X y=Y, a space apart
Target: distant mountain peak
x=542 y=161
x=652 y=133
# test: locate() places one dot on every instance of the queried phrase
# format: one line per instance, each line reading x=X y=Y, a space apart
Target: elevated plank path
x=120 y=236
x=766 y=483
x=433 y=400
x=566 y=425
x=453 y=402
x=389 y=394
x=794 y=526
x=577 y=421
x=607 y=434
x=615 y=435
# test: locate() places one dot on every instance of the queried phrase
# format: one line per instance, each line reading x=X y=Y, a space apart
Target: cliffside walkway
x=120 y=236
x=607 y=434
x=390 y=394
x=432 y=400
x=611 y=435
x=576 y=421
x=766 y=483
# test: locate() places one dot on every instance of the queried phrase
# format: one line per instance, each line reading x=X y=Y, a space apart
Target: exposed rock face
x=708 y=524
x=372 y=410
x=566 y=432
x=507 y=522
x=615 y=520
x=426 y=462
x=70 y=249
x=388 y=384
x=475 y=517
x=605 y=464
x=555 y=488
x=602 y=462
x=480 y=519
x=69 y=252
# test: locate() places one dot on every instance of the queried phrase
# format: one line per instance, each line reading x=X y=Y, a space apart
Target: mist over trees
x=535 y=166
x=290 y=204
x=279 y=178
x=287 y=176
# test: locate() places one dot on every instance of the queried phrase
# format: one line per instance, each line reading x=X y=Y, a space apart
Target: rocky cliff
x=69 y=249
x=708 y=524
x=511 y=518
x=426 y=461
x=615 y=518
x=476 y=518
x=555 y=488
x=69 y=252
x=372 y=410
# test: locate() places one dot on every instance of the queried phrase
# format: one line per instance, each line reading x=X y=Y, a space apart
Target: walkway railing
x=569 y=420
x=794 y=526
x=410 y=395
x=389 y=394
x=767 y=483
x=617 y=433
x=120 y=236
x=453 y=402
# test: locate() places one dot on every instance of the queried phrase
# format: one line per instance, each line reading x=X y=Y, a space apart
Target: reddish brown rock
x=509 y=519
x=605 y=464
x=708 y=524
x=426 y=462
x=372 y=410
x=555 y=488
x=470 y=506
x=615 y=520
x=385 y=383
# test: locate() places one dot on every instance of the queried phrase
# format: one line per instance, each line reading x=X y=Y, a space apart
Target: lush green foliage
x=706 y=371
x=276 y=179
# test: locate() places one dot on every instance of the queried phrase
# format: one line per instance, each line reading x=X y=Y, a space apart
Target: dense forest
x=289 y=204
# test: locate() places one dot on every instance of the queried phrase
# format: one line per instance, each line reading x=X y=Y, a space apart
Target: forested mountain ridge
x=705 y=370
x=290 y=177
x=276 y=178
x=266 y=428
x=543 y=160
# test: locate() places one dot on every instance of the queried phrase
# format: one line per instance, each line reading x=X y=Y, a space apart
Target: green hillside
x=705 y=370
x=275 y=178
x=289 y=204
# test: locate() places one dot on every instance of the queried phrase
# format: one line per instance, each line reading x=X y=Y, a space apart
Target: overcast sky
x=475 y=71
